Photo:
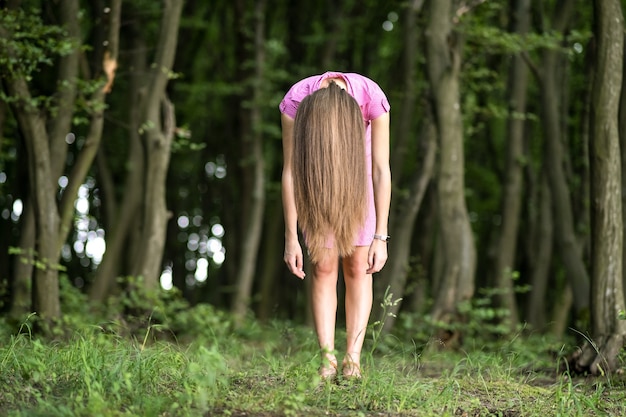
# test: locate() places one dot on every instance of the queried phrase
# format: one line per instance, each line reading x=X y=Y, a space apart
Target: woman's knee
x=327 y=267
x=355 y=266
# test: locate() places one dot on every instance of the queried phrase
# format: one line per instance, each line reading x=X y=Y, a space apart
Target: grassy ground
x=270 y=370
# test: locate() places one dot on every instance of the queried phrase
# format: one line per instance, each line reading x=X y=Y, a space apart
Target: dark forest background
x=152 y=129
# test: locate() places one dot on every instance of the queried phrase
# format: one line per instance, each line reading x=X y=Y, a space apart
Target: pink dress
x=373 y=103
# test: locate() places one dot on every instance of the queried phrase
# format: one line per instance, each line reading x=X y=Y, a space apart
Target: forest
x=141 y=159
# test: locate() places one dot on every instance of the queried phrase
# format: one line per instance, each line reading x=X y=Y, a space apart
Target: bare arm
x=381 y=177
x=293 y=251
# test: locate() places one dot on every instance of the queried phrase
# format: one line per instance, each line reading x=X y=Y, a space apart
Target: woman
x=336 y=185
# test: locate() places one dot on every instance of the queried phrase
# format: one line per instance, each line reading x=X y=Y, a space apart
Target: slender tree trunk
x=404 y=210
x=158 y=129
x=404 y=226
x=404 y=135
x=254 y=143
x=540 y=249
x=423 y=257
x=622 y=140
x=443 y=55
x=272 y=263
x=45 y=296
x=567 y=243
x=121 y=222
x=607 y=291
x=512 y=193
x=21 y=294
x=561 y=307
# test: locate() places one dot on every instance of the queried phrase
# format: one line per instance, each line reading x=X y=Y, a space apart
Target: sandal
x=328 y=371
x=351 y=370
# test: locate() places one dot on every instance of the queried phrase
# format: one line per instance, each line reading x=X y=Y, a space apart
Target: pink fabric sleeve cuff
x=378 y=106
x=288 y=107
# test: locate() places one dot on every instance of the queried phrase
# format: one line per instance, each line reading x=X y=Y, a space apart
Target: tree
x=159 y=125
x=567 y=242
x=47 y=147
x=408 y=192
x=253 y=166
x=599 y=355
x=139 y=223
x=512 y=188
x=443 y=49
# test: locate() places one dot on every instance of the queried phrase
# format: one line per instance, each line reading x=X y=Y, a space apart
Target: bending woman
x=336 y=186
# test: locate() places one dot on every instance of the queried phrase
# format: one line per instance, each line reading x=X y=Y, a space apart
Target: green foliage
x=31 y=256
x=480 y=322
x=28 y=43
x=165 y=313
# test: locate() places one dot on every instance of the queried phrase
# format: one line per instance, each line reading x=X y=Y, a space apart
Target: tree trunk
x=512 y=193
x=404 y=210
x=561 y=307
x=272 y=263
x=444 y=62
x=59 y=128
x=622 y=140
x=403 y=226
x=45 y=296
x=607 y=291
x=158 y=129
x=540 y=249
x=47 y=158
x=120 y=224
x=253 y=143
x=567 y=243
x=21 y=288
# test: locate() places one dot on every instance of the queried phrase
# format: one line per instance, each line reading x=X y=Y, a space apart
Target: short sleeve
x=297 y=92
x=372 y=98
x=378 y=106
x=289 y=107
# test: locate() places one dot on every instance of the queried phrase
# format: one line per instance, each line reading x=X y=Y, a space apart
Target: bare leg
x=359 y=296
x=324 y=305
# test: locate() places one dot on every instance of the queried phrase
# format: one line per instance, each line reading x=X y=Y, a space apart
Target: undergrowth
x=167 y=358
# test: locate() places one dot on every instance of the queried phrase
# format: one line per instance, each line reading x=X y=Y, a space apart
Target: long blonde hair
x=329 y=170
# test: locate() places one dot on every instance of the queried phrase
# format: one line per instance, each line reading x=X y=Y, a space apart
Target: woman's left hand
x=377 y=256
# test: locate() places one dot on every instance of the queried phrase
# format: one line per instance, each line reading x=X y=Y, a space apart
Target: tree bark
x=21 y=287
x=403 y=227
x=45 y=296
x=512 y=192
x=622 y=140
x=600 y=356
x=253 y=142
x=272 y=264
x=158 y=129
x=540 y=250
x=567 y=243
x=443 y=64
x=59 y=128
x=404 y=209
x=121 y=222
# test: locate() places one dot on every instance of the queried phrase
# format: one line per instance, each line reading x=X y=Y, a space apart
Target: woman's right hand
x=294 y=259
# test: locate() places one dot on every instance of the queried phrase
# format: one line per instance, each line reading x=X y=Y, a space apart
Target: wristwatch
x=384 y=238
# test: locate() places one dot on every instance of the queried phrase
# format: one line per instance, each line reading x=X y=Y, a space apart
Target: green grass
x=270 y=370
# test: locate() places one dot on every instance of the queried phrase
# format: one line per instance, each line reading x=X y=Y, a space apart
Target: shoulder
x=369 y=94
x=303 y=88
x=361 y=81
x=296 y=93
